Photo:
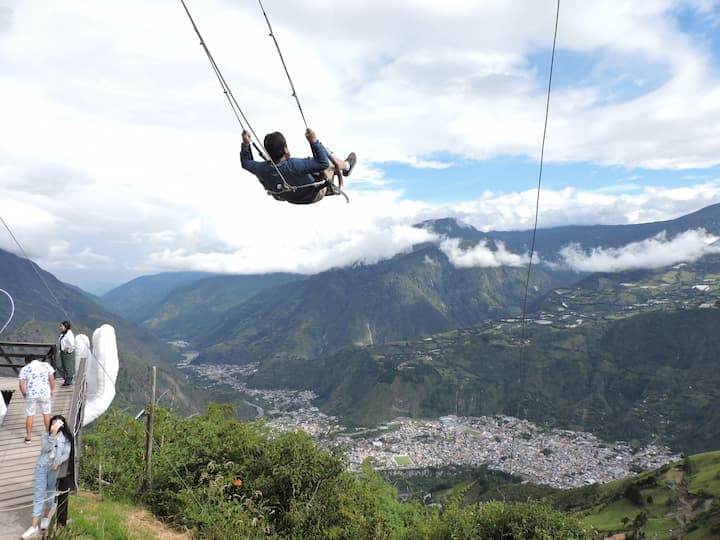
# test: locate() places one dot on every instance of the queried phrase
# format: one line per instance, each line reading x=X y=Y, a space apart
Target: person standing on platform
x=54 y=451
x=37 y=385
x=66 y=346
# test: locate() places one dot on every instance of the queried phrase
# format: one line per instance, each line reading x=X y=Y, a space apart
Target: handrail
x=25 y=344
x=69 y=472
x=48 y=355
x=75 y=419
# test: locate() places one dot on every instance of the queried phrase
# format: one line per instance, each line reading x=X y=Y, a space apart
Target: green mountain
x=414 y=294
x=609 y=295
x=239 y=318
x=137 y=299
x=415 y=335
x=192 y=311
x=244 y=319
x=42 y=301
x=644 y=377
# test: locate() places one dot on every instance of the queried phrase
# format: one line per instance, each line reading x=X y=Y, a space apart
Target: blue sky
x=119 y=154
x=466 y=180
x=618 y=77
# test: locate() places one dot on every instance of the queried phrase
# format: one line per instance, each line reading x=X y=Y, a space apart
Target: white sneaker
x=32 y=531
x=44 y=523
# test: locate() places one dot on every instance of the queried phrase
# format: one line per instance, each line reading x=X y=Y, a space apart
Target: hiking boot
x=350 y=160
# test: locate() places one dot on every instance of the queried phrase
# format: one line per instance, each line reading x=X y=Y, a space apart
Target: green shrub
x=501 y=521
x=226 y=479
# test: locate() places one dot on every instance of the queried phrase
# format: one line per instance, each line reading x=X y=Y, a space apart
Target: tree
x=638 y=523
x=633 y=494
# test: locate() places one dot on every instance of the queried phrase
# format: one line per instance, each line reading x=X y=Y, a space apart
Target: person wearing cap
x=295 y=171
x=66 y=346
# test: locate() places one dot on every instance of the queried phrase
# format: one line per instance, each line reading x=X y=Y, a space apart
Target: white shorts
x=31 y=402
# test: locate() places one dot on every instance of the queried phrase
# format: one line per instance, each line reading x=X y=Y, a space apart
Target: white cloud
x=655 y=252
x=61 y=256
x=481 y=255
x=118 y=147
x=516 y=211
x=373 y=227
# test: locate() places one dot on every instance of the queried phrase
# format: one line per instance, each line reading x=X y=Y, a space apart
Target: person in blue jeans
x=295 y=171
x=54 y=451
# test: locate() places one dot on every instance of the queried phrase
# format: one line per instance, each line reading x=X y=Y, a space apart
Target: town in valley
x=554 y=457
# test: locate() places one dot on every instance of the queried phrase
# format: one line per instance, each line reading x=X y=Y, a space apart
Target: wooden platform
x=17 y=459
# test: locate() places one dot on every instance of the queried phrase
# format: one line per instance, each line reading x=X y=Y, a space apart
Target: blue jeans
x=44 y=492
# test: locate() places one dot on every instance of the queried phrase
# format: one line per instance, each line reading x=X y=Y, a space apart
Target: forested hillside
x=651 y=375
x=416 y=294
x=40 y=308
x=137 y=299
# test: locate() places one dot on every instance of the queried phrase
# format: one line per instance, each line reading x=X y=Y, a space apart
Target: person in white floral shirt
x=37 y=385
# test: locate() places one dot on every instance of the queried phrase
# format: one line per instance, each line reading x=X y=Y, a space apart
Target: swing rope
x=234 y=105
x=336 y=190
x=277 y=46
x=523 y=319
x=284 y=186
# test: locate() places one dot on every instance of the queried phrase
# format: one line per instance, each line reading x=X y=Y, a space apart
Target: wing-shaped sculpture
x=101 y=370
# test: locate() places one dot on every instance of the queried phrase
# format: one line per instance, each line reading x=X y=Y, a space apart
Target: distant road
x=258 y=408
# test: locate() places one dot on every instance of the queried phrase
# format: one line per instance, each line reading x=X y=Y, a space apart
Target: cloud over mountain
x=481 y=255
x=651 y=253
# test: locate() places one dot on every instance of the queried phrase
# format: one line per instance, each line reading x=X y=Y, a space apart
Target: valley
x=564 y=324
x=552 y=457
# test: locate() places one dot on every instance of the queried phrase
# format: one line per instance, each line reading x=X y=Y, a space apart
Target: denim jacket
x=54 y=451
x=296 y=171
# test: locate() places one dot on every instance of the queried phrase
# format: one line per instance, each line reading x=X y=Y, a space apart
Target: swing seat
x=327 y=183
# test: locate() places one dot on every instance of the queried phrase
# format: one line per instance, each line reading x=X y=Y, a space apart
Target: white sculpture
x=3 y=410
x=101 y=369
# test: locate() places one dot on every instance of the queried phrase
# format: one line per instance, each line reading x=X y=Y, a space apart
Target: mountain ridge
x=550 y=240
x=39 y=310
x=398 y=298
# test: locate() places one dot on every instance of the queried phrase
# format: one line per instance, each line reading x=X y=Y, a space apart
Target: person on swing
x=295 y=171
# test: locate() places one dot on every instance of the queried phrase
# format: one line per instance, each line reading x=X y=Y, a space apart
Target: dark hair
x=65 y=429
x=275 y=144
x=66 y=324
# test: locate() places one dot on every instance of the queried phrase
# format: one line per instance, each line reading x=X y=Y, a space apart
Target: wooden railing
x=11 y=351
x=69 y=472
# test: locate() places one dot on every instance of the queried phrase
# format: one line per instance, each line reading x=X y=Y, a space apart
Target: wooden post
x=149 y=432
x=61 y=512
